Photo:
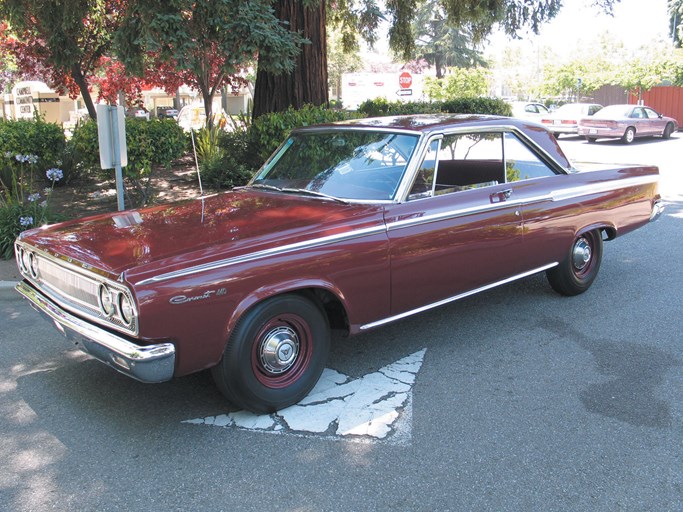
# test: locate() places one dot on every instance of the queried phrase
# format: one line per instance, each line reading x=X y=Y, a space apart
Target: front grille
x=71 y=285
x=74 y=289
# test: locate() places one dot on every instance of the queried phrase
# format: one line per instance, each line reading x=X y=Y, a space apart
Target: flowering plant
x=20 y=207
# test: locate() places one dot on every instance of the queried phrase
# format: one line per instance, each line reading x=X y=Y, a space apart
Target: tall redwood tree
x=307 y=83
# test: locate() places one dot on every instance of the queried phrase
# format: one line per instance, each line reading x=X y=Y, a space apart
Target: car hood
x=198 y=231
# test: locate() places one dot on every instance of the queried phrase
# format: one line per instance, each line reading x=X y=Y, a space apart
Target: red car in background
x=626 y=122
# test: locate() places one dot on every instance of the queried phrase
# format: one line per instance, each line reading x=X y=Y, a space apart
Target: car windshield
x=343 y=164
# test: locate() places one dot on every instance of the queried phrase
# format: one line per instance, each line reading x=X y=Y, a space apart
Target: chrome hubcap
x=582 y=253
x=279 y=350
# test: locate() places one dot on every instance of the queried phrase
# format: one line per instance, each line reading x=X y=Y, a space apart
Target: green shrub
x=33 y=137
x=152 y=143
x=233 y=165
x=477 y=105
x=467 y=105
x=270 y=130
x=380 y=107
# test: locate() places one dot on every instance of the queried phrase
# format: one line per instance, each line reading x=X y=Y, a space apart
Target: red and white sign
x=405 y=80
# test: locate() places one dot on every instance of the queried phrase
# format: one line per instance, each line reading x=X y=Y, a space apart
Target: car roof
x=425 y=124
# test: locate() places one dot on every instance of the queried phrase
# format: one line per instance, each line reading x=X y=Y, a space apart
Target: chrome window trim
x=456 y=297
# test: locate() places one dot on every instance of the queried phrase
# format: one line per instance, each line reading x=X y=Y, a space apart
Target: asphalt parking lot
x=514 y=399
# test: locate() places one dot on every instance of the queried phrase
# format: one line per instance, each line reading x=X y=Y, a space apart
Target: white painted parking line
x=377 y=406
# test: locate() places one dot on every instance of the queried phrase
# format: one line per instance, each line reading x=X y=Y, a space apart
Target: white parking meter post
x=111 y=132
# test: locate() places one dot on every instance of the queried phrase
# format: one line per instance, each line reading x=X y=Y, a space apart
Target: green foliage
x=247 y=147
x=21 y=207
x=269 y=130
x=488 y=106
x=460 y=82
x=33 y=137
x=150 y=143
x=234 y=167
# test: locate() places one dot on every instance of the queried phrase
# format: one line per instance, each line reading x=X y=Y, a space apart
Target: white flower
x=8 y=154
x=54 y=174
x=20 y=158
x=34 y=197
x=26 y=221
x=43 y=204
x=32 y=159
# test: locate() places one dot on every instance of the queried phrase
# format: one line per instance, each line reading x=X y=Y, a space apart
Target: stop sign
x=405 y=80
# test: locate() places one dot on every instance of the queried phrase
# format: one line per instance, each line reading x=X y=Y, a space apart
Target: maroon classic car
x=347 y=226
x=626 y=122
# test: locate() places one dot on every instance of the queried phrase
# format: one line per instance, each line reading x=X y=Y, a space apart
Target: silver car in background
x=566 y=118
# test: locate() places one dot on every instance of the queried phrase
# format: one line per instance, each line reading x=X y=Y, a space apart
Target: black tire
x=579 y=269
x=629 y=135
x=668 y=130
x=557 y=135
x=275 y=354
x=591 y=140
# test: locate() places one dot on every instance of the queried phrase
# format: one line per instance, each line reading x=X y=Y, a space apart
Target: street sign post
x=111 y=134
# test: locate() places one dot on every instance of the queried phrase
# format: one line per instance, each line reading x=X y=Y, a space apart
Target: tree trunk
x=80 y=80
x=308 y=82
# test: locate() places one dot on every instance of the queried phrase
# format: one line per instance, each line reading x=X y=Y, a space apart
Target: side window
x=651 y=114
x=467 y=161
x=424 y=180
x=521 y=163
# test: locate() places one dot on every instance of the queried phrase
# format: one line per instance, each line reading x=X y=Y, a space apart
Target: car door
x=655 y=122
x=460 y=228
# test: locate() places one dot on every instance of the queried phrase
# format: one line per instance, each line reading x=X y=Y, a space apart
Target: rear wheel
x=275 y=354
x=629 y=135
x=591 y=140
x=668 y=131
x=580 y=267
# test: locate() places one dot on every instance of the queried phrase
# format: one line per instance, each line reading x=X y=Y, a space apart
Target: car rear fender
x=609 y=230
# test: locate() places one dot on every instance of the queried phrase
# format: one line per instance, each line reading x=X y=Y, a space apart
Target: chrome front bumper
x=146 y=363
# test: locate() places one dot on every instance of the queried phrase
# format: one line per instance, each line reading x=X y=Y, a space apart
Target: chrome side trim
x=146 y=363
x=453 y=214
x=598 y=188
x=456 y=297
x=275 y=251
x=559 y=195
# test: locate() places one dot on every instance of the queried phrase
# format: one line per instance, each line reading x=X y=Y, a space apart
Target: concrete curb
x=7 y=290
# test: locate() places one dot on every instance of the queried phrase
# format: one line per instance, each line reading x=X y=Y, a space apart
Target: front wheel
x=576 y=273
x=668 y=131
x=275 y=354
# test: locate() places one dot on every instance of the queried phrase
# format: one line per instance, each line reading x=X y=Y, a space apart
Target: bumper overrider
x=146 y=363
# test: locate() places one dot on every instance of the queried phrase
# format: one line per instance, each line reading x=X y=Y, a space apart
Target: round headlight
x=126 y=309
x=25 y=263
x=33 y=265
x=106 y=299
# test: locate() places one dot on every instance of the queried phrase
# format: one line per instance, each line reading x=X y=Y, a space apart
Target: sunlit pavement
x=666 y=154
